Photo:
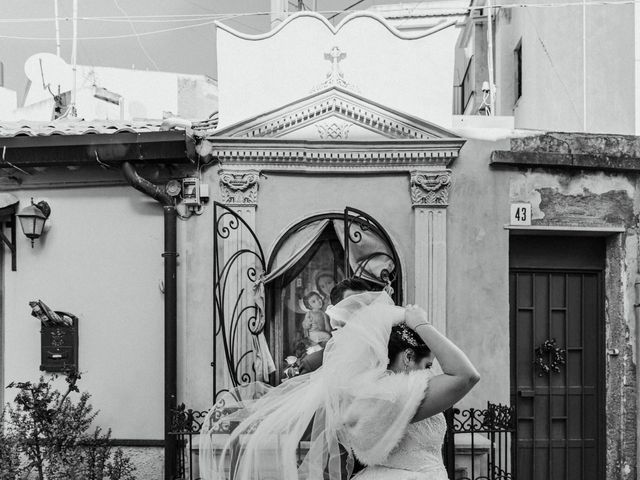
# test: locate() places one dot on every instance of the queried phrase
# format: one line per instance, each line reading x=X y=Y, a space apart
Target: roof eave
x=74 y=150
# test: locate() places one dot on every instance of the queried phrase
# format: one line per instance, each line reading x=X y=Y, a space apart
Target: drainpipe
x=637 y=325
x=170 y=308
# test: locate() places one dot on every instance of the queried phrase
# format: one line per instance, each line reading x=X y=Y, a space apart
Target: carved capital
x=430 y=189
x=239 y=187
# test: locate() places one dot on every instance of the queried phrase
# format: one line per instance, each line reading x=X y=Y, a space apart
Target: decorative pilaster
x=430 y=189
x=429 y=198
x=239 y=191
x=239 y=187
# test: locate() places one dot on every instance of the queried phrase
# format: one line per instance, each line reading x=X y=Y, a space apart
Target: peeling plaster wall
x=579 y=199
x=590 y=200
x=620 y=369
x=478 y=264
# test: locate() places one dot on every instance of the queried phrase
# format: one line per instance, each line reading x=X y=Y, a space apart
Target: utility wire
x=345 y=10
x=212 y=19
x=144 y=50
x=113 y=37
x=222 y=16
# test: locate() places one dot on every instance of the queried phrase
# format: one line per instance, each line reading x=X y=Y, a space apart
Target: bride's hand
x=415 y=316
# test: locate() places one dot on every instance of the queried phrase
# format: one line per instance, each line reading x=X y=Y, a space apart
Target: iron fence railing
x=186 y=425
x=479 y=443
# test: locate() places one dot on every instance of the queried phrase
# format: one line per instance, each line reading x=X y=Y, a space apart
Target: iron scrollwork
x=234 y=306
x=495 y=423
x=185 y=420
x=357 y=225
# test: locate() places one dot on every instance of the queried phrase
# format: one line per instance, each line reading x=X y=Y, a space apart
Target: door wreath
x=550 y=350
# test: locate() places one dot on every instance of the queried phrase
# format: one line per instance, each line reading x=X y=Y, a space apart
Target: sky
x=190 y=49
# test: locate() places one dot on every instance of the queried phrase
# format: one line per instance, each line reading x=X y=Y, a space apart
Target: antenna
x=74 y=59
x=55 y=10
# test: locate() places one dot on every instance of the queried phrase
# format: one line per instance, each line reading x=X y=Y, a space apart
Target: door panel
x=558 y=398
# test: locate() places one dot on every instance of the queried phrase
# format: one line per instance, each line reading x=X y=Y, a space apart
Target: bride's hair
x=353 y=283
x=402 y=338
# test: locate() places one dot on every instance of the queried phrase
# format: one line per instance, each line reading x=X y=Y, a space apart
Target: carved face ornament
x=430 y=183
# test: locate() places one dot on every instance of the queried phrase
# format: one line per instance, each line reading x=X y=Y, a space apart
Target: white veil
x=303 y=428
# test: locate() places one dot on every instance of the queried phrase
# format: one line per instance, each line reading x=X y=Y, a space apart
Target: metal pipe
x=74 y=58
x=170 y=338
x=145 y=186
x=636 y=308
x=492 y=86
x=170 y=309
x=57 y=15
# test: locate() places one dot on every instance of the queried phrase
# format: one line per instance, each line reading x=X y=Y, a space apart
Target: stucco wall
x=552 y=59
x=100 y=260
x=413 y=76
x=478 y=268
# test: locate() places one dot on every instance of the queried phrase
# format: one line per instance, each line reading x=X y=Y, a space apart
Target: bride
x=374 y=397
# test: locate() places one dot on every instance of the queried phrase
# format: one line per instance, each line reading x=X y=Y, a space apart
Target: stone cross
x=335 y=76
x=335 y=55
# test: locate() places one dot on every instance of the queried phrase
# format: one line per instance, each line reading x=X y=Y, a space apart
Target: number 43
x=520 y=214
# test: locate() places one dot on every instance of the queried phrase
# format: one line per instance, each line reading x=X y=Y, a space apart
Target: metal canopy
x=89 y=149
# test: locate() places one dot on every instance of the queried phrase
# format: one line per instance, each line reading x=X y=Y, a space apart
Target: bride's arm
x=459 y=375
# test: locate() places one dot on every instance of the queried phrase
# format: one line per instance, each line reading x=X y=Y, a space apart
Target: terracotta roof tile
x=77 y=127
x=209 y=124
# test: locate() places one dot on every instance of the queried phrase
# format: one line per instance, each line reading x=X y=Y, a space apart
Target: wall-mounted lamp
x=33 y=218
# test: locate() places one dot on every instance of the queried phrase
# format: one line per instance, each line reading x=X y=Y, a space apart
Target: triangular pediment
x=334 y=114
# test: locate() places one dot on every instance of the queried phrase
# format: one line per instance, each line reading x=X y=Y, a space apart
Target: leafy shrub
x=44 y=434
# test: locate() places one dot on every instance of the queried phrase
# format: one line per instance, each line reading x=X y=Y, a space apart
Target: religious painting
x=303 y=297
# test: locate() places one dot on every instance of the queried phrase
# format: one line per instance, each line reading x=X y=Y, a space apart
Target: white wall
x=553 y=79
x=100 y=260
x=413 y=76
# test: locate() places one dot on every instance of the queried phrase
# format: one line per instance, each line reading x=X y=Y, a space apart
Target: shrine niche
x=268 y=312
x=307 y=262
x=271 y=309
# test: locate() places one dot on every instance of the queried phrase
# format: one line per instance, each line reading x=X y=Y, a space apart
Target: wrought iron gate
x=236 y=273
x=388 y=271
x=479 y=443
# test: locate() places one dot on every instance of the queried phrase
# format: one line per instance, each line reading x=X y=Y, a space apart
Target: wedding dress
x=351 y=402
x=418 y=456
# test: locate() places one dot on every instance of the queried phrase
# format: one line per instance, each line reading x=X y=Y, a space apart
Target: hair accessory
x=407 y=335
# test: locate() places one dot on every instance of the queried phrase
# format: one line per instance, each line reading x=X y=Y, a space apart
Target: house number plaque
x=520 y=214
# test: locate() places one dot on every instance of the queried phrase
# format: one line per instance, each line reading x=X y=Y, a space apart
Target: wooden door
x=557 y=331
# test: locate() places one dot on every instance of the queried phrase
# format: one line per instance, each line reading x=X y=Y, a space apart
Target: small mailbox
x=59 y=346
